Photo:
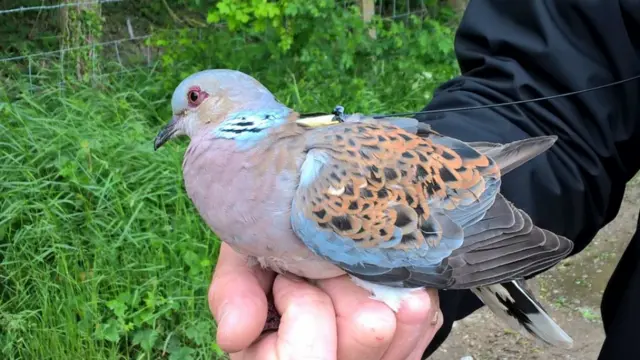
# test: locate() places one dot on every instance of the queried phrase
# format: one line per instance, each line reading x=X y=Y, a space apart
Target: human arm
x=510 y=51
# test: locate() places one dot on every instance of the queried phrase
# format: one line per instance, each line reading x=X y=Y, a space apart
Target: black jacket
x=514 y=50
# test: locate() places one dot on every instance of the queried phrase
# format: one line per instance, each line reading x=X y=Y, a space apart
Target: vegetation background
x=102 y=255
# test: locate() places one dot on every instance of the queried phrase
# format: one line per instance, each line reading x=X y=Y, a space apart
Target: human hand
x=333 y=319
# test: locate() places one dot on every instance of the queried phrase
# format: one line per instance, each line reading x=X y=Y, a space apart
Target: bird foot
x=273 y=317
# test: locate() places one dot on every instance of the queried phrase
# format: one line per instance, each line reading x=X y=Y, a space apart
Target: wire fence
x=54 y=7
x=53 y=65
x=27 y=62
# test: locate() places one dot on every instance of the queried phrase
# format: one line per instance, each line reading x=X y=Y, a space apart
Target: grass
x=102 y=255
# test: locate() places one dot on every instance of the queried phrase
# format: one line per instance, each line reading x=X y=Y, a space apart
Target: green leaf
x=109 y=331
x=118 y=307
x=242 y=17
x=223 y=7
x=182 y=353
x=146 y=339
x=213 y=17
x=218 y=350
x=200 y=332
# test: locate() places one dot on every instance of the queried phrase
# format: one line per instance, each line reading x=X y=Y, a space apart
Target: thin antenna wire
x=510 y=103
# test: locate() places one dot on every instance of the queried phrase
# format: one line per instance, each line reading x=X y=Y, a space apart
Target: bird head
x=205 y=99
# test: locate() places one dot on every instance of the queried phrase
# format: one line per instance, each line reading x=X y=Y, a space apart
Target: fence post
x=367 y=8
x=79 y=27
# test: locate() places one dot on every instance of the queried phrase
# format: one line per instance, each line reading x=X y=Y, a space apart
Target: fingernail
x=436 y=317
x=223 y=311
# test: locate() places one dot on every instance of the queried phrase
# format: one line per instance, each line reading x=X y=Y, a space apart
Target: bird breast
x=248 y=206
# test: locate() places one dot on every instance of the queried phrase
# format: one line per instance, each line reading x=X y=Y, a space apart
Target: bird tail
x=513 y=303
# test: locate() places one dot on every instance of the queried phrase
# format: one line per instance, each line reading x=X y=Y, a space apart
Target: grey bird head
x=203 y=99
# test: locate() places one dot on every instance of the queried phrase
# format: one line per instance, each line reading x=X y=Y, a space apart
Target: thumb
x=237 y=300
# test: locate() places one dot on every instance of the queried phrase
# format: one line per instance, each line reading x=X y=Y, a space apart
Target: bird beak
x=318 y=121
x=166 y=133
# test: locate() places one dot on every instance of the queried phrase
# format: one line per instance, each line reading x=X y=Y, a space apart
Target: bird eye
x=193 y=96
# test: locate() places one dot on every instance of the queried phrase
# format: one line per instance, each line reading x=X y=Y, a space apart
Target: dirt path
x=571 y=292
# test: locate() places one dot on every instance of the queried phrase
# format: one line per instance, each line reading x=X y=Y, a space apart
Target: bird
x=387 y=201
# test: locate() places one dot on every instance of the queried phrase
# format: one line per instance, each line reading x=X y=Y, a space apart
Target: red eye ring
x=195 y=96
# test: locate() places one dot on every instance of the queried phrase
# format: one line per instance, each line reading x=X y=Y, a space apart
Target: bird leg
x=273 y=317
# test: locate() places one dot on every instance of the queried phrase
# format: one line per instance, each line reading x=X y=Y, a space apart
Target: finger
x=365 y=326
x=237 y=300
x=413 y=320
x=308 y=324
x=427 y=337
x=262 y=349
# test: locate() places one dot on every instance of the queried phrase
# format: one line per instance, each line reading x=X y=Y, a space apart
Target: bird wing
x=394 y=208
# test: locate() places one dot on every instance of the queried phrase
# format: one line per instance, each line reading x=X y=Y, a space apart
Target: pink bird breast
x=249 y=210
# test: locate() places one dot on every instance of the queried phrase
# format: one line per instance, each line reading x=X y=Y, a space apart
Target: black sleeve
x=516 y=50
